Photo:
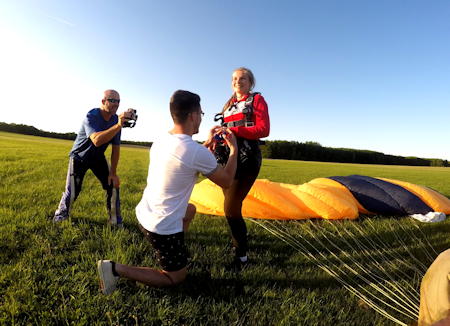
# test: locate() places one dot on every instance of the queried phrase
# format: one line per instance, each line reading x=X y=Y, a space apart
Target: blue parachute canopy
x=383 y=197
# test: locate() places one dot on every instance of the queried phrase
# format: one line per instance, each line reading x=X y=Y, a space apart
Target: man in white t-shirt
x=164 y=213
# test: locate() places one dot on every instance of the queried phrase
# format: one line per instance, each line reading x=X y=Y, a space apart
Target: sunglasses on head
x=113 y=100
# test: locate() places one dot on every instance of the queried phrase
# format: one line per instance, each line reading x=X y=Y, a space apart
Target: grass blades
x=364 y=272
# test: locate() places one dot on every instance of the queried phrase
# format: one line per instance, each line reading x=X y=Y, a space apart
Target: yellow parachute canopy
x=318 y=198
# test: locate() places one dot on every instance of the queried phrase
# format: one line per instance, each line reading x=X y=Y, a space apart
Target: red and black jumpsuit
x=249 y=121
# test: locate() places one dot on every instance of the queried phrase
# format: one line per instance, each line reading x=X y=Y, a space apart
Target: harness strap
x=249 y=100
x=219 y=117
x=239 y=123
x=247 y=111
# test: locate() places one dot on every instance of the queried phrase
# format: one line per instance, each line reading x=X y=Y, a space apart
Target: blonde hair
x=252 y=80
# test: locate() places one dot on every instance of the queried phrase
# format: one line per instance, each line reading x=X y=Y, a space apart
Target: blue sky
x=358 y=74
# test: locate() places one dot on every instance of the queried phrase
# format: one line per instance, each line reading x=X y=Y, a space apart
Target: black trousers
x=74 y=182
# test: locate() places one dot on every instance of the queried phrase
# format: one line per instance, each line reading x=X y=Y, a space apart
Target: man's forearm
x=102 y=137
x=230 y=167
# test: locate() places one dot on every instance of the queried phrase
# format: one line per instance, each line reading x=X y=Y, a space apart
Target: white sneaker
x=106 y=277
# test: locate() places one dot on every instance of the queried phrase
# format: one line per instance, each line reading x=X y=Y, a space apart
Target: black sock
x=114 y=268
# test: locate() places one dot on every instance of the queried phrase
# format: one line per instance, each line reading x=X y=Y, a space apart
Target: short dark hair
x=182 y=103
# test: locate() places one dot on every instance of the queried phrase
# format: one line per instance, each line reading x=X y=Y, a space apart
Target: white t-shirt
x=175 y=161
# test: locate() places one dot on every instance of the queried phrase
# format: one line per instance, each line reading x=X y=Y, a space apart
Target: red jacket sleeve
x=261 y=128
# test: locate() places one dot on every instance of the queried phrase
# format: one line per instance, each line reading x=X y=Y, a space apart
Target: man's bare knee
x=189 y=216
x=191 y=210
x=176 y=277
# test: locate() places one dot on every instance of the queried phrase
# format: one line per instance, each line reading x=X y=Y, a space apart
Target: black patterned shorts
x=171 y=252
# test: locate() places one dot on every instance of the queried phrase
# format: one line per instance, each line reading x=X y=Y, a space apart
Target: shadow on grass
x=275 y=264
x=202 y=284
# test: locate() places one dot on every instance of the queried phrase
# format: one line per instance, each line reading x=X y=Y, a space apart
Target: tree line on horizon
x=274 y=149
x=33 y=131
x=313 y=151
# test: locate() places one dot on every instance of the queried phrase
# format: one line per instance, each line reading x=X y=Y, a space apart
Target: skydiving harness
x=246 y=147
x=247 y=111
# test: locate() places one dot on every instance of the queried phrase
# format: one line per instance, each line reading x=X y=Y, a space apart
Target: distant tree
x=313 y=143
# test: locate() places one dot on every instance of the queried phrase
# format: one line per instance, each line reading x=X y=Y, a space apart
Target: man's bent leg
x=190 y=213
x=109 y=273
x=150 y=276
x=74 y=180
x=101 y=171
x=171 y=253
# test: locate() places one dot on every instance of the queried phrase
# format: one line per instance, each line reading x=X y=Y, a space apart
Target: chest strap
x=239 y=123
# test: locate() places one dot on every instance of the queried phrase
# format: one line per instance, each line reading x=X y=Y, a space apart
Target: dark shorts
x=171 y=252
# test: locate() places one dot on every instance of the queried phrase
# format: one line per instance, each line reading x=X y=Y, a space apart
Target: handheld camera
x=131 y=121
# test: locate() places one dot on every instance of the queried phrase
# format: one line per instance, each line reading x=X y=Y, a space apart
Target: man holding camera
x=164 y=213
x=101 y=127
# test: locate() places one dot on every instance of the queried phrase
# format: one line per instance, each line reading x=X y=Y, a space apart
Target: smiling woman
x=246 y=115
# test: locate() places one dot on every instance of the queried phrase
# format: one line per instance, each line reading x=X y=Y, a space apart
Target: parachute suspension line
x=373 y=280
x=391 y=258
x=355 y=268
x=368 y=273
x=355 y=273
x=419 y=266
x=427 y=247
x=280 y=231
x=405 y=298
x=366 y=252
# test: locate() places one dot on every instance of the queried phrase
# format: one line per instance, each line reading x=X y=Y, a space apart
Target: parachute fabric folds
x=208 y=198
x=340 y=191
x=383 y=197
x=272 y=200
x=328 y=198
x=432 y=198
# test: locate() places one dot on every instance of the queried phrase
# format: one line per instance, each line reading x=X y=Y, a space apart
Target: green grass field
x=48 y=272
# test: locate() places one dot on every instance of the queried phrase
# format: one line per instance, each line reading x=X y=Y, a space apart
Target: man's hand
x=114 y=180
x=124 y=117
x=224 y=175
x=230 y=139
x=210 y=143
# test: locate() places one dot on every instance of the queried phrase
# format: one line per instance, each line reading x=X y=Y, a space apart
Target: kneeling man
x=164 y=212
